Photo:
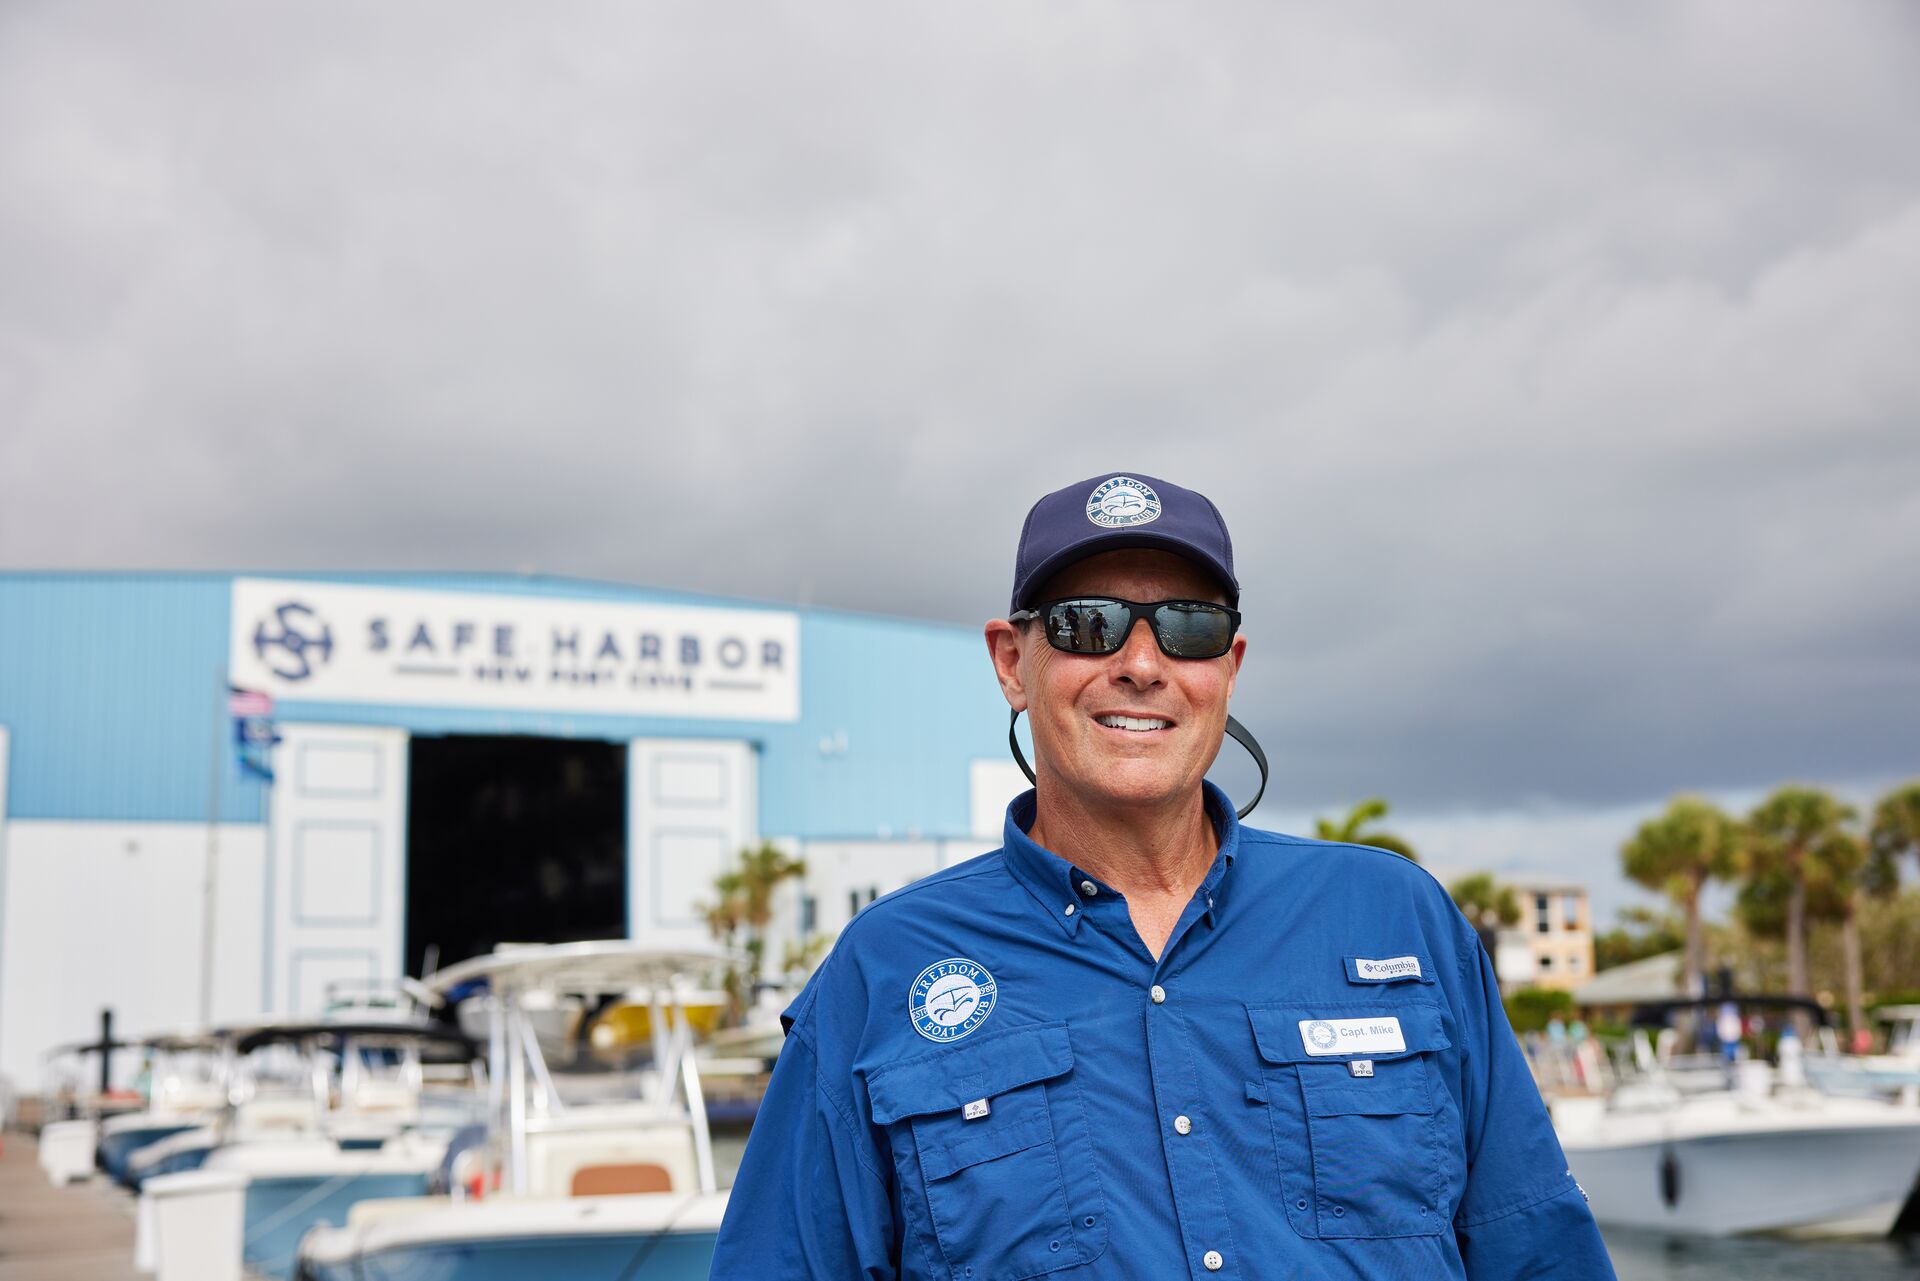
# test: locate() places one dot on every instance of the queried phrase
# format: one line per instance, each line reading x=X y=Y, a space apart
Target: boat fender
x=1669 y=1178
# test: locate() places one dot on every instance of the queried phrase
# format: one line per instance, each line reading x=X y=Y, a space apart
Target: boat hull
x=1804 y=1182
x=118 y=1144
x=650 y=1236
x=673 y=1257
x=175 y=1154
x=280 y=1210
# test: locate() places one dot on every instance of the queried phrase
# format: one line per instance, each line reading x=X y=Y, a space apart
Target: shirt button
x=1213 y=1260
x=1089 y=889
x=1181 y=1125
x=1069 y=909
x=1158 y=993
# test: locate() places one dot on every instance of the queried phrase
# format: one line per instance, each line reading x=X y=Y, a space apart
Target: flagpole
x=210 y=882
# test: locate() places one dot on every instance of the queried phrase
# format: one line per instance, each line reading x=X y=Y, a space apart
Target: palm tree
x=745 y=902
x=1783 y=832
x=1842 y=870
x=1875 y=860
x=1895 y=831
x=1487 y=904
x=1677 y=854
x=1352 y=830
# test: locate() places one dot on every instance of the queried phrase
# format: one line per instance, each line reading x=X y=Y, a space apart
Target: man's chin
x=1123 y=789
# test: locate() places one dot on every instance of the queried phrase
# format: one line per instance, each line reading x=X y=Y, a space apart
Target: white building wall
x=109 y=915
x=844 y=876
x=991 y=787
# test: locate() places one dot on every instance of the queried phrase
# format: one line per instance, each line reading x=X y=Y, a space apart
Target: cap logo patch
x=1122 y=501
x=950 y=999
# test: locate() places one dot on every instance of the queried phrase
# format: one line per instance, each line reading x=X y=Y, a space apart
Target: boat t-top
x=565 y=1180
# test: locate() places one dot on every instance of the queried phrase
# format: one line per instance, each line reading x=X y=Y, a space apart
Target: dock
x=81 y=1232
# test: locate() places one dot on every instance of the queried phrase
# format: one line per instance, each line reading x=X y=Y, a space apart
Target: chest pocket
x=1359 y=1155
x=1011 y=1192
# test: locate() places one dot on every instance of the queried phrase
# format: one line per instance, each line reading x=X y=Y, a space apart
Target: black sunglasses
x=1101 y=625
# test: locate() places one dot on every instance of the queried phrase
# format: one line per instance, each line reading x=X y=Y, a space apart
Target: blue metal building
x=510 y=757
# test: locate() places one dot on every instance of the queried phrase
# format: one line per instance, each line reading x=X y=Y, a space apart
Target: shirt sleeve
x=810 y=1202
x=1522 y=1217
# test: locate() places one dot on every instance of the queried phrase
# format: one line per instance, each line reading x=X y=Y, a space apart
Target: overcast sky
x=1554 y=365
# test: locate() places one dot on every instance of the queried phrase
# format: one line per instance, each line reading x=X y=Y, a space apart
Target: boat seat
x=382 y=1096
x=620 y=1180
x=605 y=1162
x=271 y=1116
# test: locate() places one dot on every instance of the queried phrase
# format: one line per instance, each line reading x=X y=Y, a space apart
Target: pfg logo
x=950 y=999
x=1123 y=501
x=299 y=641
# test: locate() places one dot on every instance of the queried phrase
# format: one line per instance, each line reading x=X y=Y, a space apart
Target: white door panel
x=692 y=806
x=338 y=869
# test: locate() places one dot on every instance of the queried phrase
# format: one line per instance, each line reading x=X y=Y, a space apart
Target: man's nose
x=1140 y=659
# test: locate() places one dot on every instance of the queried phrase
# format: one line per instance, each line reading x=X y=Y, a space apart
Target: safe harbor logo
x=367 y=644
x=293 y=642
x=950 y=999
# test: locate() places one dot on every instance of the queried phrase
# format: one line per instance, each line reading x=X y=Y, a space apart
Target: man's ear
x=1005 y=644
x=1239 y=655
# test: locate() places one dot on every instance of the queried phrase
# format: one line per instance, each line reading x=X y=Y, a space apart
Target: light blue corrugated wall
x=110 y=687
x=108 y=684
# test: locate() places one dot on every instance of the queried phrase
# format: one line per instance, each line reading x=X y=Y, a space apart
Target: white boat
x=75 y=1107
x=184 y=1091
x=559 y=1186
x=1895 y=1074
x=1766 y=1154
x=302 y=1145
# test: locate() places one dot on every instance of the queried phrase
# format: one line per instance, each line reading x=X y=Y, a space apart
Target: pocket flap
x=1277 y=1030
x=949 y=1079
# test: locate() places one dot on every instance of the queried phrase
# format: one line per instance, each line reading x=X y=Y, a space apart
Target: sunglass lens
x=1087 y=626
x=1194 y=631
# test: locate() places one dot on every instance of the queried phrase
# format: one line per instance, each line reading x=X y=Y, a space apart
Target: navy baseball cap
x=1125 y=509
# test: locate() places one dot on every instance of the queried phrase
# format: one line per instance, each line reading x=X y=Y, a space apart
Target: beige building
x=1552 y=946
x=1552 y=943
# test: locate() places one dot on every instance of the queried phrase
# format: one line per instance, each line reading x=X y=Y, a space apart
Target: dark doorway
x=513 y=840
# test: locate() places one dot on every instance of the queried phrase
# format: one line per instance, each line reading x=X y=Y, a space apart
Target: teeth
x=1133 y=722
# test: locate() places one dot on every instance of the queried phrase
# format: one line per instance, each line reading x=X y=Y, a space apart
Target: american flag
x=242 y=703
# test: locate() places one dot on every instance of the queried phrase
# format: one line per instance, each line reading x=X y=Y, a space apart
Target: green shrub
x=1529 y=1009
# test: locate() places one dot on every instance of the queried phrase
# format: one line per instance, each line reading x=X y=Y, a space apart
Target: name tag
x=976 y=1109
x=1385 y=970
x=1379 y=1035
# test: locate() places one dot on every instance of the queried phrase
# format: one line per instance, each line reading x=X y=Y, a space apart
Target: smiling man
x=1141 y=1040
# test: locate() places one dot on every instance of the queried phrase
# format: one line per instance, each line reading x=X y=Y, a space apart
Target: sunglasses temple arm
x=1235 y=731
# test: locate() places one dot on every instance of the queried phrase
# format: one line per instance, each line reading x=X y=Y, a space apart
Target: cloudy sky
x=1554 y=365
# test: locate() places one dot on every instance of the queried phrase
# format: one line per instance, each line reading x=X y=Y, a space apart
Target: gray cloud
x=1553 y=368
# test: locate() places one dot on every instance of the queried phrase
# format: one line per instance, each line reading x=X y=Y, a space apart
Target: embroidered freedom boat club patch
x=950 y=999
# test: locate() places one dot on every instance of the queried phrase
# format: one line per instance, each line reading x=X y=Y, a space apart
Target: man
x=1141 y=1040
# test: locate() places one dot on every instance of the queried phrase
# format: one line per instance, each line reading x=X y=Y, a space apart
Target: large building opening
x=513 y=840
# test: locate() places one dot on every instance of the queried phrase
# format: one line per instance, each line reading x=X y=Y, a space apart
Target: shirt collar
x=1053 y=881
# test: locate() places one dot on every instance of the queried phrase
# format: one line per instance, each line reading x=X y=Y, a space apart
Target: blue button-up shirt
x=991 y=1078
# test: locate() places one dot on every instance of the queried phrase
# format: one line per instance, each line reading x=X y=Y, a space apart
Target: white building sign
x=335 y=642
